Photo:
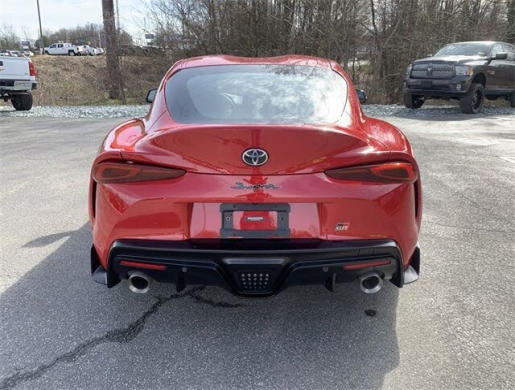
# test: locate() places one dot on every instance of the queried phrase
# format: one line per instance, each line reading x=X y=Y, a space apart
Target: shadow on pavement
x=58 y=324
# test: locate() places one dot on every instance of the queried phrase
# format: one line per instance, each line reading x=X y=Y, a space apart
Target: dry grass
x=83 y=80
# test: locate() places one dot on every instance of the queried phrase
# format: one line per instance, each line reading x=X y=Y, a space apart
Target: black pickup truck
x=467 y=71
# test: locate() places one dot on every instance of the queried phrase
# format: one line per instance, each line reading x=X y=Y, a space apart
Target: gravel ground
x=375 y=110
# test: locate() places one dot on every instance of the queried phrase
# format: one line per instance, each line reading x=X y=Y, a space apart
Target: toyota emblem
x=254 y=157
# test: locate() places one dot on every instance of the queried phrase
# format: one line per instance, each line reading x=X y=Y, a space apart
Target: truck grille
x=432 y=71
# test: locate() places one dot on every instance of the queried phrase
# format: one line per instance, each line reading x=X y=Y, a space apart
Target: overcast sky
x=55 y=14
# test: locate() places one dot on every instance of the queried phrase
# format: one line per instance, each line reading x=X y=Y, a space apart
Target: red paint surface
x=189 y=206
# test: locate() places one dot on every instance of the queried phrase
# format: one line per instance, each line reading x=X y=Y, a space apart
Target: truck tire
x=411 y=101
x=46 y=52
x=22 y=102
x=71 y=53
x=472 y=102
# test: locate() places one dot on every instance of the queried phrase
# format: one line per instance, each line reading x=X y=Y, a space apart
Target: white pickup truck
x=17 y=80
x=66 y=49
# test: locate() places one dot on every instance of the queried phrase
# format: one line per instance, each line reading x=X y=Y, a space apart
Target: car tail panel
x=320 y=207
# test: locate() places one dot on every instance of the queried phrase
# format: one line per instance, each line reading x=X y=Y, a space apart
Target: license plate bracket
x=283 y=221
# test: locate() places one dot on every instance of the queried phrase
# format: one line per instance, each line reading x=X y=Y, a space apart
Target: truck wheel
x=46 y=52
x=22 y=102
x=411 y=101
x=472 y=102
x=71 y=53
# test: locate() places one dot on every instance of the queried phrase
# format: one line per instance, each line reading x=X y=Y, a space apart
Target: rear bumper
x=16 y=86
x=255 y=268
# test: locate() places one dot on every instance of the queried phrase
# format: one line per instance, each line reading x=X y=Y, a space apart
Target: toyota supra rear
x=254 y=175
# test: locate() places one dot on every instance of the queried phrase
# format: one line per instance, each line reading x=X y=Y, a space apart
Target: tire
x=22 y=102
x=512 y=100
x=413 y=102
x=71 y=53
x=472 y=102
x=46 y=52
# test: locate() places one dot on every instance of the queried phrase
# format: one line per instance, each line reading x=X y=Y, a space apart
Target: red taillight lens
x=115 y=172
x=32 y=69
x=366 y=264
x=137 y=264
x=395 y=172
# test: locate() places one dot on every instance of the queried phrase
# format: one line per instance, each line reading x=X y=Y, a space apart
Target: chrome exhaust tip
x=139 y=283
x=370 y=282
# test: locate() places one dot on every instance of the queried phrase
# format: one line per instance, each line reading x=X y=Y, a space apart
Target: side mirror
x=500 y=56
x=151 y=95
x=362 y=96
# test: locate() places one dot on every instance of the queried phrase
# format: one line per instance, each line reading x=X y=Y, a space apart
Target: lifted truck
x=17 y=80
x=466 y=71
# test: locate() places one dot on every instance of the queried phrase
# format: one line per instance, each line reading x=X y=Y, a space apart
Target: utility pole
x=41 y=43
x=117 y=19
x=113 y=65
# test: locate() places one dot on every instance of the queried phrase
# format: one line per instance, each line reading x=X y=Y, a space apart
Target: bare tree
x=374 y=40
x=8 y=37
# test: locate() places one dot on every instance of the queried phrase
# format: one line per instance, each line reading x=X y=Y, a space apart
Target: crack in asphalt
x=200 y=299
x=119 y=335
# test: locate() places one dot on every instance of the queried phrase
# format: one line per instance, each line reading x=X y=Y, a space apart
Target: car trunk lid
x=291 y=148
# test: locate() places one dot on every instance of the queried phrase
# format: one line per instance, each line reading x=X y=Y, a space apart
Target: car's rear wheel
x=22 y=102
x=472 y=102
x=71 y=53
x=413 y=101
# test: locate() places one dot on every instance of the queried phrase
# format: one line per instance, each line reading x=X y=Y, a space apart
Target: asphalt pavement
x=453 y=329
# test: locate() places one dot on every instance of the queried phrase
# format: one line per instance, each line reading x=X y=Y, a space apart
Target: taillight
x=32 y=69
x=394 y=172
x=118 y=172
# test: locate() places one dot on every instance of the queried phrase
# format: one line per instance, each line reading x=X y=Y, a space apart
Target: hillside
x=66 y=80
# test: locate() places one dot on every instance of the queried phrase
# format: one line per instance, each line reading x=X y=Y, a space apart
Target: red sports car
x=255 y=174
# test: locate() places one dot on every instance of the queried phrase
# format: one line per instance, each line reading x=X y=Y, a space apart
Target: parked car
x=92 y=51
x=5 y=53
x=62 y=48
x=466 y=71
x=17 y=80
x=255 y=175
x=82 y=50
x=17 y=53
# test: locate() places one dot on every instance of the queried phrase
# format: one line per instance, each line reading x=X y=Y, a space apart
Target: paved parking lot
x=454 y=329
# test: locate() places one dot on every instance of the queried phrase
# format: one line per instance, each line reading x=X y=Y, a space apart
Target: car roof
x=234 y=60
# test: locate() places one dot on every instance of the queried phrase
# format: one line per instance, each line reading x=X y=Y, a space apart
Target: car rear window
x=256 y=94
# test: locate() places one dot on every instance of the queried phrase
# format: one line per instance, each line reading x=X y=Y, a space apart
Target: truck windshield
x=256 y=94
x=464 y=49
